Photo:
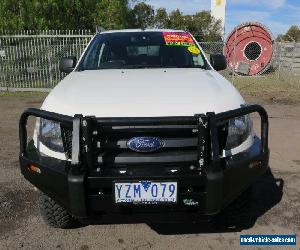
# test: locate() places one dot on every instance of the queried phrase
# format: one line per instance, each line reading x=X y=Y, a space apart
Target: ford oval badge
x=145 y=144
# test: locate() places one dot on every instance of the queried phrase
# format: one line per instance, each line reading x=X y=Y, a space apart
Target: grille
x=109 y=144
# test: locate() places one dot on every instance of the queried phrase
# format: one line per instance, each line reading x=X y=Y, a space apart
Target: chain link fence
x=29 y=60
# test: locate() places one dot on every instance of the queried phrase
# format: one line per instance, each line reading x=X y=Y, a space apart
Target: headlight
x=239 y=130
x=49 y=134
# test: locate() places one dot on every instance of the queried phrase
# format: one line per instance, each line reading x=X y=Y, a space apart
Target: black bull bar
x=81 y=159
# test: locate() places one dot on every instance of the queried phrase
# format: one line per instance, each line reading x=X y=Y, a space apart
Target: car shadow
x=267 y=192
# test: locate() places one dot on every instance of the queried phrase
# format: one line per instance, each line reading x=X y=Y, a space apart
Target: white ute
x=142 y=129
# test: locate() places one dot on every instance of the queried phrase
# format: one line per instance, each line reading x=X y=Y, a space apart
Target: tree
x=10 y=15
x=112 y=14
x=161 y=19
x=292 y=35
x=108 y=14
x=143 y=15
x=205 y=27
x=46 y=14
x=202 y=25
x=81 y=14
x=176 y=20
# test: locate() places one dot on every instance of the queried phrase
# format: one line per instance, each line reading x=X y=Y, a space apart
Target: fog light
x=35 y=169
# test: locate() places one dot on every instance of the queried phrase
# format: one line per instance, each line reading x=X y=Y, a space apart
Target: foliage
x=161 y=19
x=46 y=14
x=292 y=35
x=112 y=14
x=143 y=15
x=205 y=27
x=108 y=14
x=10 y=15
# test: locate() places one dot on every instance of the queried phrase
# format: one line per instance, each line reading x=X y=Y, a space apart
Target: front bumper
x=89 y=195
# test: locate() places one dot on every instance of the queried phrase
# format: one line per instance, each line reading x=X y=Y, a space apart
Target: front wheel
x=55 y=215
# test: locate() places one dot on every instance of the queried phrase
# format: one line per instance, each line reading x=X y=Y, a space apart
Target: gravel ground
x=274 y=207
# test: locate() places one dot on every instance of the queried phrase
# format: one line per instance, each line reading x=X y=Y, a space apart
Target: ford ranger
x=142 y=129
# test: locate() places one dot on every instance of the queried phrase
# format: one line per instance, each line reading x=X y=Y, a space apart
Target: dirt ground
x=274 y=207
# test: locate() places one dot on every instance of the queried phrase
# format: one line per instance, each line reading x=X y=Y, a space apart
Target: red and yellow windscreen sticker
x=178 y=39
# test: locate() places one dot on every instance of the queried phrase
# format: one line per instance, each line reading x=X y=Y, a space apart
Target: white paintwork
x=144 y=93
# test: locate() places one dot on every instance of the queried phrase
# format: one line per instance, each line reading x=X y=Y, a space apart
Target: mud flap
x=77 y=194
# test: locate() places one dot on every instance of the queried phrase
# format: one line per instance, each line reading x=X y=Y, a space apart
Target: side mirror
x=218 y=62
x=67 y=64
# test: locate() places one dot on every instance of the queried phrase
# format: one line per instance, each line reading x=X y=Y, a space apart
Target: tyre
x=55 y=215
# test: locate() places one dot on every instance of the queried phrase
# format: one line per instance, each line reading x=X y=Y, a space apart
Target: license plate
x=146 y=192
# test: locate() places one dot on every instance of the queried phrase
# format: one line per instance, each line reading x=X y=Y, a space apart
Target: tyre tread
x=55 y=215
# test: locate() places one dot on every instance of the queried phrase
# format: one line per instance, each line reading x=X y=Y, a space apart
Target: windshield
x=127 y=50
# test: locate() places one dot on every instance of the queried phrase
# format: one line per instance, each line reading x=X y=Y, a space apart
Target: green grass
x=22 y=94
x=269 y=88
